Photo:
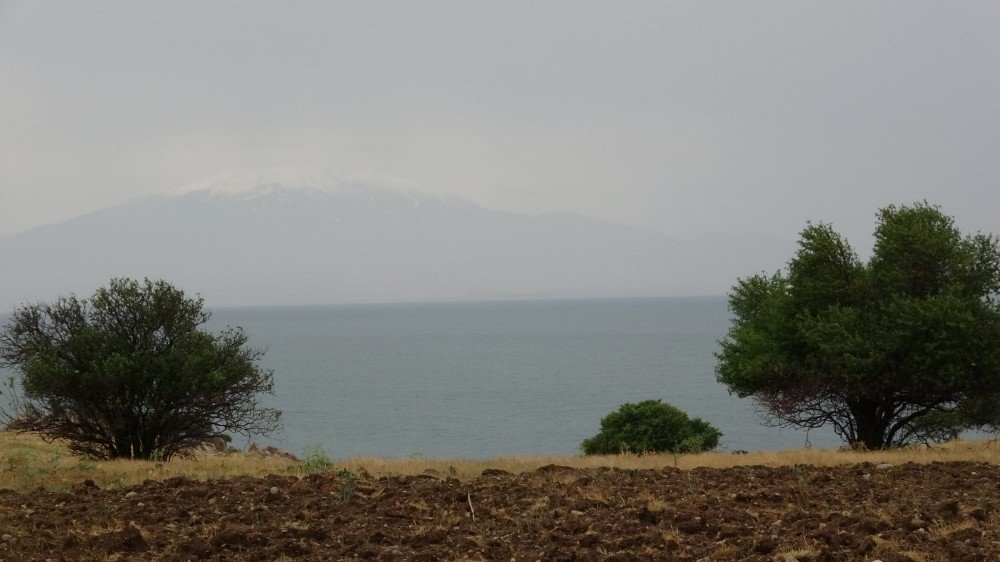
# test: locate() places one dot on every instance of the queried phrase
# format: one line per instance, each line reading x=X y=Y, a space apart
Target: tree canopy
x=651 y=426
x=129 y=373
x=904 y=347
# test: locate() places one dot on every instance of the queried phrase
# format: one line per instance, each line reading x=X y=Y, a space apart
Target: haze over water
x=352 y=152
x=492 y=379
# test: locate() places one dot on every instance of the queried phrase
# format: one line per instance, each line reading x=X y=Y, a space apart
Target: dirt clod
x=920 y=512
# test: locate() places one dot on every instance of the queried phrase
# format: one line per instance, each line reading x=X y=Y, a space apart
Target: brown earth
x=940 y=511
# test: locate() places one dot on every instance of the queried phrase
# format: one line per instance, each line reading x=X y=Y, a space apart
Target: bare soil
x=940 y=511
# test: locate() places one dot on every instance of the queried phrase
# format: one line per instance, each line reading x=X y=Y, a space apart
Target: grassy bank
x=27 y=462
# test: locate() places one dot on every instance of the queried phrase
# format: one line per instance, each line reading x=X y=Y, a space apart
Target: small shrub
x=348 y=485
x=28 y=464
x=119 y=479
x=17 y=460
x=651 y=426
x=315 y=459
x=85 y=466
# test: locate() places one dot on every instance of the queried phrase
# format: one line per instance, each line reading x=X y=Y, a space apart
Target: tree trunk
x=872 y=421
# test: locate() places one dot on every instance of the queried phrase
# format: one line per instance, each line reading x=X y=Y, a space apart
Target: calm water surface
x=490 y=379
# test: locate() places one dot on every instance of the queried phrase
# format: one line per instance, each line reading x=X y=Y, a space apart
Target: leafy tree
x=904 y=347
x=982 y=412
x=129 y=374
x=651 y=426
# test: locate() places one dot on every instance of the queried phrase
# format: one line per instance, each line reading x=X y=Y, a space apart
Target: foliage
x=348 y=485
x=129 y=374
x=982 y=412
x=315 y=459
x=651 y=426
x=889 y=351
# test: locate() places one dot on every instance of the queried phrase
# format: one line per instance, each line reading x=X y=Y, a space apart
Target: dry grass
x=796 y=555
x=892 y=550
x=27 y=462
x=980 y=451
x=944 y=531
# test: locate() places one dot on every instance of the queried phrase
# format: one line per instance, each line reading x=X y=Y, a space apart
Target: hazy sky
x=684 y=117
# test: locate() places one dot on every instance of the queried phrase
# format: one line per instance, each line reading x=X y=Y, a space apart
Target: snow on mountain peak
x=253 y=183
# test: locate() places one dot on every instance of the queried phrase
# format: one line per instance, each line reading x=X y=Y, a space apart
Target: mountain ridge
x=287 y=245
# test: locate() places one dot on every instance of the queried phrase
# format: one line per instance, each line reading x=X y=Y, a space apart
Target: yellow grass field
x=27 y=462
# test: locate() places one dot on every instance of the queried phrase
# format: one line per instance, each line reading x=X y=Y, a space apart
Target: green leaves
x=920 y=253
x=651 y=426
x=825 y=271
x=870 y=347
x=128 y=372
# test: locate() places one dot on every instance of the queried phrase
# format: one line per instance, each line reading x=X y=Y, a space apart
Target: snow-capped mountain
x=276 y=243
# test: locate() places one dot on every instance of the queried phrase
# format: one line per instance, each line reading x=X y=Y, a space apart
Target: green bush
x=315 y=460
x=651 y=426
x=348 y=485
x=129 y=373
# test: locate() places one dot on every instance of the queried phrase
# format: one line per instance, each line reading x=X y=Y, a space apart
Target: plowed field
x=941 y=511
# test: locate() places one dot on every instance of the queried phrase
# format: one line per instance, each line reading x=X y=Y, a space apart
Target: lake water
x=491 y=379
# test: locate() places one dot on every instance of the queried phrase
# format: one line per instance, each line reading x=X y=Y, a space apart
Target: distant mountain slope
x=274 y=244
